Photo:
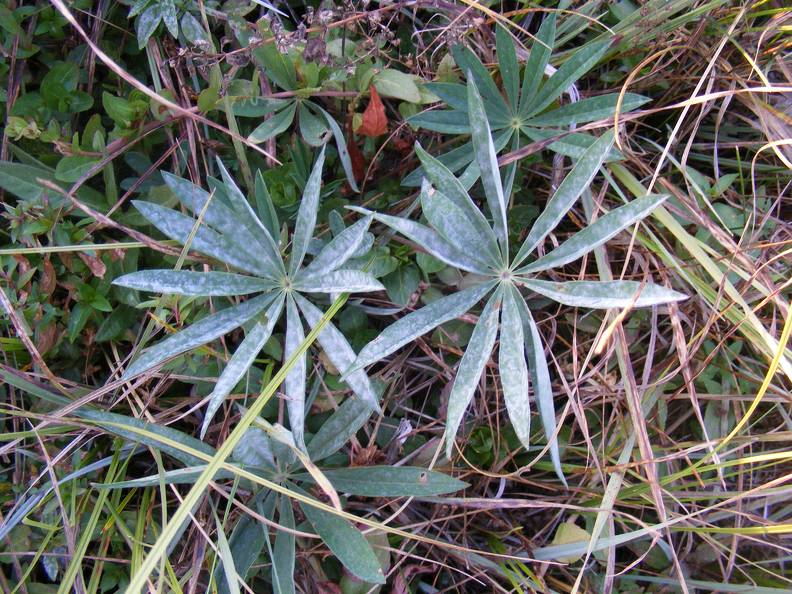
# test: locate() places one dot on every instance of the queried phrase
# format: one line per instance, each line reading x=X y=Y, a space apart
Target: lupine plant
x=227 y=229
x=460 y=235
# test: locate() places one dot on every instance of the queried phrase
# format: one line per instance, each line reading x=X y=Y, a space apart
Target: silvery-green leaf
x=540 y=380
x=254 y=449
x=603 y=294
x=535 y=65
x=572 y=145
x=147 y=23
x=175 y=225
x=341 y=355
x=509 y=68
x=339 y=249
x=587 y=110
x=241 y=360
x=477 y=74
x=185 y=282
x=596 y=234
x=447 y=183
x=248 y=218
x=392 y=481
x=420 y=322
x=265 y=207
x=452 y=94
x=346 y=543
x=442 y=121
x=338 y=281
x=452 y=223
x=570 y=71
x=294 y=384
x=429 y=240
x=513 y=370
x=342 y=424
x=343 y=151
x=199 y=333
x=192 y=29
x=567 y=193
x=313 y=130
x=477 y=353
x=487 y=161
x=169 y=17
x=277 y=124
x=283 y=554
x=306 y=215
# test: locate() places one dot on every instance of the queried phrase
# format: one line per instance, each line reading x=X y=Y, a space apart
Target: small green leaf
x=192 y=29
x=399 y=85
x=567 y=193
x=147 y=23
x=402 y=283
x=604 y=294
x=202 y=284
x=169 y=16
x=420 y=322
x=313 y=130
x=277 y=124
x=73 y=168
x=199 y=333
x=487 y=161
x=306 y=215
x=470 y=368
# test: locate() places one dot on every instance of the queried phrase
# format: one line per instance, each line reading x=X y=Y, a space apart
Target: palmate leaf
x=294 y=384
x=603 y=294
x=306 y=215
x=419 y=322
x=487 y=160
x=199 y=284
x=513 y=370
x=241 y=361
x=471 y=366
x=565 y=196
x=200 y=333
x=596 y=234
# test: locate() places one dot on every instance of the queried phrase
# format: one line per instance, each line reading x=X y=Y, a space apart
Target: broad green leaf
x=73 y=168
x=587 y=110
x=402 y=283
x=429 y=240
x=540 y=381
x=312 y=129
x=247 y=216
x=277 y=124
x=399 y=85
x=283 y=555
x=169 y=17
x=175 y=225
x=454 y=225
x=420 y=322
x=604 y=294
x=339 y=249
x=570 y=71
x=487 y=161
x=341 y=355
x=256 y=107
x=20 y=179
x=513 y=370
x=535 y=65
x=447 y=183
x=294 y=385
x=202 y=284
x=471 y=366
x=192 y=29
x=392 y=481
x=147 y=23
x=567 y=193
x=596 y=234
x=343 y=151
x=442 y=121
x=338 y=281
x=469 y=63
x=241 y=360
x=265 y=207
x=226 y=558
x=306 y=215
x=277 y=66
x=509 y=68
x=346 y=543
x=341 y=426
x=199 y=333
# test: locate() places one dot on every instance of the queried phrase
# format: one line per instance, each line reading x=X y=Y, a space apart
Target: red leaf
x=374 y=123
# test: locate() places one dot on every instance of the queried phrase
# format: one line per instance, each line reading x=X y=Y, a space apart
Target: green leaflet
x=392 y=481
x=306 y=216
x=513 y=369
x=535 y=66
x=339 y=249
x=567 y=193
x=283 y=554
x=471 y=366
x=604 y=294
x=184 y=282
x=294 y=385
x=338 y=281
x=277 y=124
x=509 y=68
x=201 y=332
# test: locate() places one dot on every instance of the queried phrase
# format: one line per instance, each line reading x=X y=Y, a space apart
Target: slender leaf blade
x=338 y=281
x=392 y=481
x=187 y=282
x=294 y=385
x=340 y=249
x=604 y=294
x=535 y=65
x=513 y=370
x=587 y=110
x=283 y=554
x=509 y=68
x=306 y=216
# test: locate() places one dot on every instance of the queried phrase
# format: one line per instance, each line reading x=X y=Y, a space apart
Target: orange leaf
x=374 y=123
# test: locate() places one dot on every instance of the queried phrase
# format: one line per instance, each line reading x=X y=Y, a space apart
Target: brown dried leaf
x=95 y=264
x=375 y=122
